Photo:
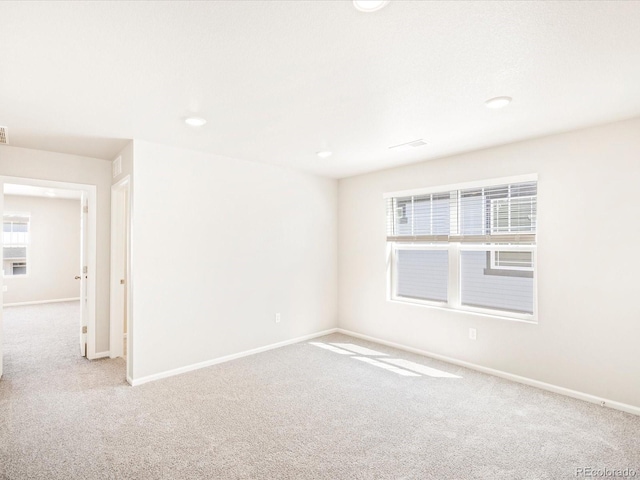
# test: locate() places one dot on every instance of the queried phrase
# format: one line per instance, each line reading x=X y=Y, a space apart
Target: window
x=469 y=247
x=15 y=238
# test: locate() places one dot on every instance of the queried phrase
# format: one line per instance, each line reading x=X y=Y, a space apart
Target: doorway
x=34 y=276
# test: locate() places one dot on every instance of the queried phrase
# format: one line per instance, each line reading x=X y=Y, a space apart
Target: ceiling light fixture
x=195 y=121
x=50 y=194
x=369 y=6
x=324 y=153
x=498 y=102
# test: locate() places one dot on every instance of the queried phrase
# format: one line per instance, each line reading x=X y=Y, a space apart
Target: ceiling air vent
x=4 y=136
x=408 y=145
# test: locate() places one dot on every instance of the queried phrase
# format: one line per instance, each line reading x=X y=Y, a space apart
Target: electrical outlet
x=473 y=333
x=277 y=318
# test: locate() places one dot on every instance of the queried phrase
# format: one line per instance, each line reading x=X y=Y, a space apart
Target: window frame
x=455 y=249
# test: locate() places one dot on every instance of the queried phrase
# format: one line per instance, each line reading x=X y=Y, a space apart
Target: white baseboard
x=39 y=302
x=100 y=355
x=624 y=407
x=227 y=358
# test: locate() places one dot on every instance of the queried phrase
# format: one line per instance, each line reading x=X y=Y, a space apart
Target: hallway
x=43 y=339
x=48 y=392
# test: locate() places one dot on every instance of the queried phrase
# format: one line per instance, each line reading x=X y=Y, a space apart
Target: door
x=120 y=269
x=84 y=210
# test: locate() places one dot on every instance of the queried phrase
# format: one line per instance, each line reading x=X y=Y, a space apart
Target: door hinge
x=84 y=329
x=85 y=209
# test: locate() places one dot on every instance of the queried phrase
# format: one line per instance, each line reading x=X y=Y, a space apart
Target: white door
x=1 y=278
x=84 y=210
x=119 y=269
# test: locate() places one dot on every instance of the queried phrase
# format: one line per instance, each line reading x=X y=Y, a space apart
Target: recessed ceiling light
x=369 y=5
x=324 y=153
x=195 y=121
x=50 y=194
x=498 y=102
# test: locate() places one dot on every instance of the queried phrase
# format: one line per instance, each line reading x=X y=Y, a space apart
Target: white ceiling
x=280 y=80
x=33 y=191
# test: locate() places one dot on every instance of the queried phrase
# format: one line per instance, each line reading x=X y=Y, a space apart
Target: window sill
x=532 y=320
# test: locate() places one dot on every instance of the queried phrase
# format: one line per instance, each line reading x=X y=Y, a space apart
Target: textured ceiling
x=280 y=80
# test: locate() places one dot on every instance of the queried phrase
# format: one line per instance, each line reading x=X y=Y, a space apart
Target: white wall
x=253 y=240
x=28 y=163
x=589 y=317
x=54 y=251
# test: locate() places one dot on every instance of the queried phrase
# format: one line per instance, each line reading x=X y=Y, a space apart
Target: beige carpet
x=306 y=411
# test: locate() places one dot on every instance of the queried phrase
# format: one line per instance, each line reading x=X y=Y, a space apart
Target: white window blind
x=501 y=213
x=469 y=248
